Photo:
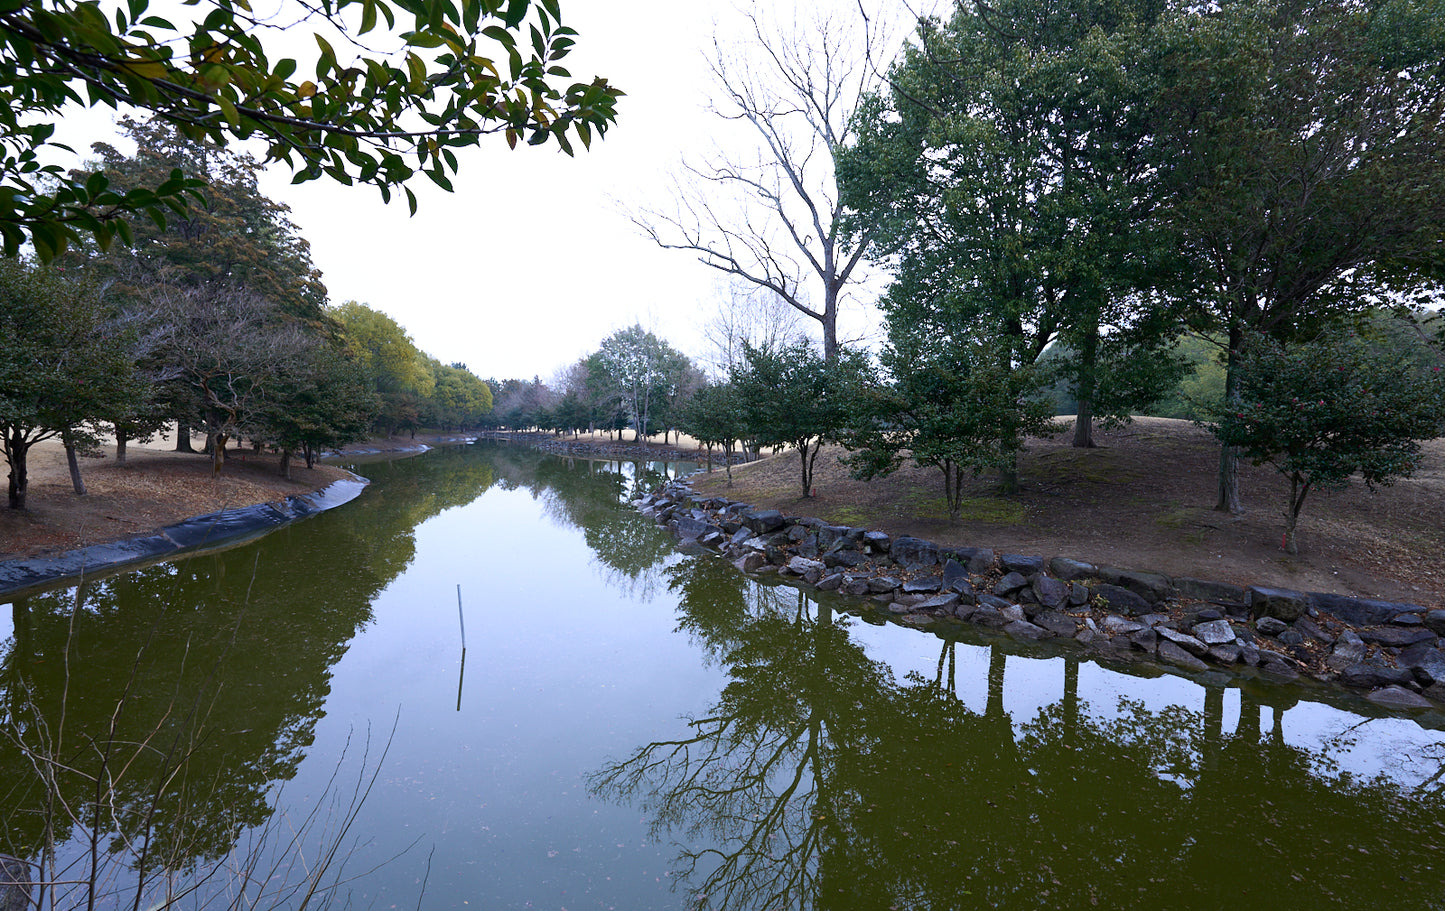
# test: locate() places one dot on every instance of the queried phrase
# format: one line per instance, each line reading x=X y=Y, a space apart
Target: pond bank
x=218 y=529
x=1391 y=651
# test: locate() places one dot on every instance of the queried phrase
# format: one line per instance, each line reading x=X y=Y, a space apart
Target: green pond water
x=632 y=727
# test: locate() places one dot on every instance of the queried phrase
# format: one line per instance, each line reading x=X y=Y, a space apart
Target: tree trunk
x=1086 y=390
x=286 y=463
x=997 y=662
x=309 y=452
x=1228 y=458
x=1084 y=425
x=120 y=440
x=1008 y=476
x=183 y=437
x=17 y=450
x=73 y=463
x=217 y=444
x=1298 y=490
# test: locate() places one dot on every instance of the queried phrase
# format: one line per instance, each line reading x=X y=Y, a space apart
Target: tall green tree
x=398 y=371
x=1005 y=174
x=713 y=416
x=394 y=91
x=59 y=366
x=1303 y=148
x=322 y=400
x=458 y=398
x=234 y=236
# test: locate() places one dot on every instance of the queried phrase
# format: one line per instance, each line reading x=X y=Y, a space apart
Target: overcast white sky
x=530 y=263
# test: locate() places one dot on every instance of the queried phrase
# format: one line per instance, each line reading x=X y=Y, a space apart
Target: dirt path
x=1142 y=500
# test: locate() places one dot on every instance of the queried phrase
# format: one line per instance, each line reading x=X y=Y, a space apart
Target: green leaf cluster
x=456 y=72
x=63 y=363
x=792 y=396
x=1328 y=409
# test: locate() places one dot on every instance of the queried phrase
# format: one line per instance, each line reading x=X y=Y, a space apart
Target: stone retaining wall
x=1392 y=650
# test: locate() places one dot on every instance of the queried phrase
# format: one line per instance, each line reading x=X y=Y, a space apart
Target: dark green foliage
x=1325 y=410
x=951 y=405
x=323 y=402
x=794 y=397
x=61 y=364
x=714 y=417
x=1006 y=174
x=236 y=236
x=369 y=116
x=1301 y=147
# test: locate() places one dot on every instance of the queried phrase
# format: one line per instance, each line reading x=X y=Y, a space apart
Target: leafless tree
x=747 y=313
x=772 y=217
x=230 y=348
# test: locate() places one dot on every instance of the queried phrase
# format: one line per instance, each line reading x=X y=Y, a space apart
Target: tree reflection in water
x=152 y=715
x=818 y=780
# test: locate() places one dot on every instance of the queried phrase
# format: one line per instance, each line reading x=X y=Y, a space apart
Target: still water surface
x=635 y=728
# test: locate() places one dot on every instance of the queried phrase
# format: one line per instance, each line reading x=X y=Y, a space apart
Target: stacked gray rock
x=1393 y=650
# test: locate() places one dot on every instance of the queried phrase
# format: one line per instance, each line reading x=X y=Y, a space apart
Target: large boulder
x=1367 y=675
x=1120 y=600
x=1051 y=593
x=1397 y=697
x=1022 y=564
x=688 y=528
x=1209 y=591
x=1059 y=624
x=955 y=576
x=946 y=601
x=1280 y=603
x=1360 y=611
x=914 y=553
x=1214 y=632
x=1010 y=585
x=830 y=536
x=1397 y=636
x=1426 y=661
x=763 y=521
x=1152 y=587
x=1071 y=570
x=977 y=560
x=923 y=584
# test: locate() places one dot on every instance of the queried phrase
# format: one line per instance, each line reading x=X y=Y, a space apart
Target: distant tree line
x=213 y=320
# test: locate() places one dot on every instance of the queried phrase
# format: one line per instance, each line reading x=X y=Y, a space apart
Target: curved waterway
x=635 y=728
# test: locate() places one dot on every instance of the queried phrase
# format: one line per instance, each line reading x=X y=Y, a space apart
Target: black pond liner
x=213 y=530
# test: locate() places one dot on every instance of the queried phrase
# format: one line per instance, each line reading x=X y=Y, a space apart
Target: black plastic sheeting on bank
x=227 y=527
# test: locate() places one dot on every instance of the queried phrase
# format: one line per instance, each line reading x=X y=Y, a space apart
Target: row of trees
x=213 y=319
x=1062 y=192
x=1096 y=179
